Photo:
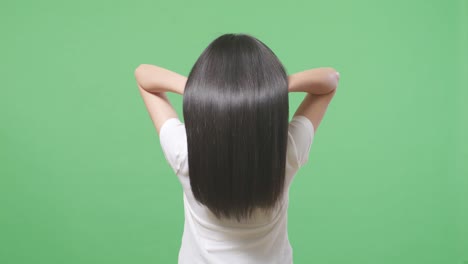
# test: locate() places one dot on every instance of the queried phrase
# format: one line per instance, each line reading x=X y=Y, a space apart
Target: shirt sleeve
x=302 y=132
x=172 y=137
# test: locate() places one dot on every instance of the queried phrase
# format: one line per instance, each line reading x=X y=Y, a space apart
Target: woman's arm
x=153 y=82
x=315 y=81
x=156 y=79
x=320 y=84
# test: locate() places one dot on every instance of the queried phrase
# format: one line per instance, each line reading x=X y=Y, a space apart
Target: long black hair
x=236 y=111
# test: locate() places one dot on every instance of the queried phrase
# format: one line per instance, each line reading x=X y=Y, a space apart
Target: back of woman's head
x=236 y=112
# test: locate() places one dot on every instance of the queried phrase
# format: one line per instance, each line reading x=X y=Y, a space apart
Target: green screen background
x=84 y=180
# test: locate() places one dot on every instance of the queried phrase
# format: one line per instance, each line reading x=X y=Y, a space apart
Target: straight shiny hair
x=236 y=111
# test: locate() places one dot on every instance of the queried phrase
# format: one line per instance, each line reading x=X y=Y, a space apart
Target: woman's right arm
x=314 y=81
x=320 y=85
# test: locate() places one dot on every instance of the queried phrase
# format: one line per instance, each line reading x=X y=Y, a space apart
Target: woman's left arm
x=156 y=79
x=153 y=82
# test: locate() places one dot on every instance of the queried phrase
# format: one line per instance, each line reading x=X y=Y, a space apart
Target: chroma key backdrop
x=83 y=178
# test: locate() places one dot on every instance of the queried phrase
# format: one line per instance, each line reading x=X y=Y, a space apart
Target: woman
x=237 y=143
